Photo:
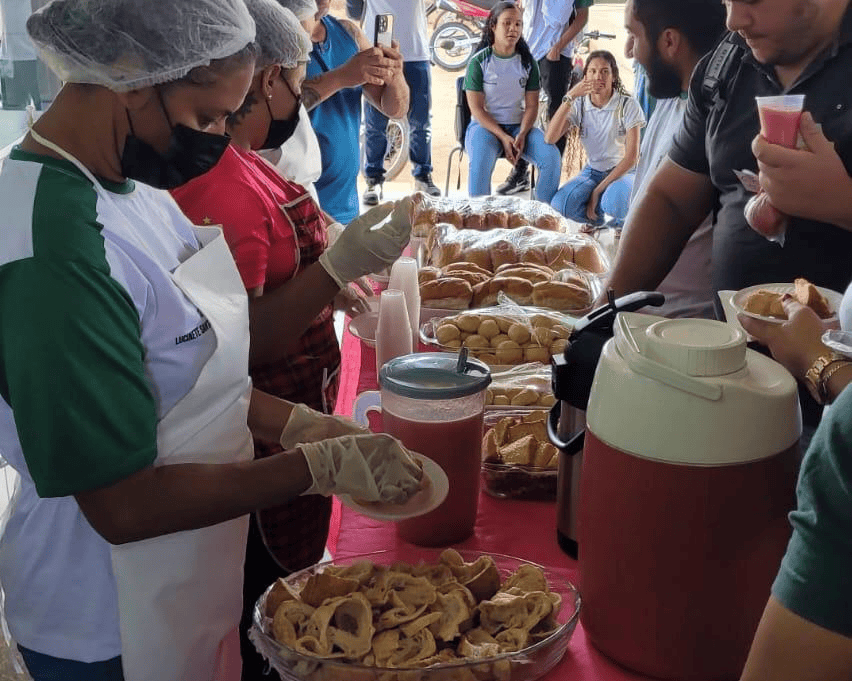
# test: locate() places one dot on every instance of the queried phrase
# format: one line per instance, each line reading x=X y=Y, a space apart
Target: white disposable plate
x=436 y=485
x=739 y=300
x=363 y=327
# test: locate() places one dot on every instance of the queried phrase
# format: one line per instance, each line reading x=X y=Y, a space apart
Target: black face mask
x=281 y=130
x=191 y=153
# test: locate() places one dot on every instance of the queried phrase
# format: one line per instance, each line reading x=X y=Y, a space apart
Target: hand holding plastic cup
x=780 y=117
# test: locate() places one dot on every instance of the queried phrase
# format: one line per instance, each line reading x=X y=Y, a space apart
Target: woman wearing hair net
x=126 y=405
x=277 y=233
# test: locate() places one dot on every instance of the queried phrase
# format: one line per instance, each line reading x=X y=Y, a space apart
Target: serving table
x=526 y=529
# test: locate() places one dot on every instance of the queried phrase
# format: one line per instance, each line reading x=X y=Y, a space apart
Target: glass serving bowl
x=524 y=665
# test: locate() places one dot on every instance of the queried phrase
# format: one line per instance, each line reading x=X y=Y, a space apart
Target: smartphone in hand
x=384 y=30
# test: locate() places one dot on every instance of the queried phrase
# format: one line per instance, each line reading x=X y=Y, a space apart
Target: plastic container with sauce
x=434 y=404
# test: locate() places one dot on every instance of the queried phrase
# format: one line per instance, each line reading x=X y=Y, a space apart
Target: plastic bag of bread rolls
x=497 y=248
x=503 y=334
x=522 y=385
x=483 y=213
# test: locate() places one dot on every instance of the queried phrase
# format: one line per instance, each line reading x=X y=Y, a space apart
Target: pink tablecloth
x=524 y=529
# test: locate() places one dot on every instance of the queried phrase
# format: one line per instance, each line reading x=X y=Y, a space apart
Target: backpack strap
x=724 y=60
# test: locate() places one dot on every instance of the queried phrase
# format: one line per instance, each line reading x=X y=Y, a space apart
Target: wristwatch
x=567 y=99
x=816 y=377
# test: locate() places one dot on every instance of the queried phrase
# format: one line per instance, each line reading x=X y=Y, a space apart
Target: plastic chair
x=460 y=123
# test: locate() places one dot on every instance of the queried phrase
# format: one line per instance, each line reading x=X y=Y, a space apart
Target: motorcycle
x=453 y=41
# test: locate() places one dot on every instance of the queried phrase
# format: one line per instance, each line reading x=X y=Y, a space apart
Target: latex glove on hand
x=308 y=425
x=371 y=467
x=370 y=243
x=352 y=300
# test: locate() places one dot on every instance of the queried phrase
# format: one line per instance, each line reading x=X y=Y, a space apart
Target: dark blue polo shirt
x=715 y=141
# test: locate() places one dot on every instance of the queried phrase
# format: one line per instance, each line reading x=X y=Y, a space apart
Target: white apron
x=180 y=596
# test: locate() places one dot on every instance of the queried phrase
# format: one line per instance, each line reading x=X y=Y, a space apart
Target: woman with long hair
x=501 y=86
x=609 y=121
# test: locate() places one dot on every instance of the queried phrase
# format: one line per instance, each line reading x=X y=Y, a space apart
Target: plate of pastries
x=764 y=300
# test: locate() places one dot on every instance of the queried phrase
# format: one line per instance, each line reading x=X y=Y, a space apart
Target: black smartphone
x=384 y=30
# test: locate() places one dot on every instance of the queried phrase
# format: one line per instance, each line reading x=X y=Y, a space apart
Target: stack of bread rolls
x=493 y=212
x=522 y=385
x=501 y=338
x=463 y=285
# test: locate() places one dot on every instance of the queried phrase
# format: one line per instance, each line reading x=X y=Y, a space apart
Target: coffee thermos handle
x=569 y=447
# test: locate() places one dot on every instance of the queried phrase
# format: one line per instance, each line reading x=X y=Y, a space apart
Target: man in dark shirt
x=778 y=46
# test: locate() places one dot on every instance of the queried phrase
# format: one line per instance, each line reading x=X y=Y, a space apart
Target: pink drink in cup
x=780 y=117
x=434 y=403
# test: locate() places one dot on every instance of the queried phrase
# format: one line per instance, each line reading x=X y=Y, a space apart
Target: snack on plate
x=768 y=303
x=522 y=385
x=504 y=334
x=522 y=245
x=484 y=213
x=518 y=459
x=412 y=616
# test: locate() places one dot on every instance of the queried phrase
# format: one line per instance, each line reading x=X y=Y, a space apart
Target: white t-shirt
x=109 y=345
x=688 y=288
x=409 y=25
x=602 y=131
x=504 y=83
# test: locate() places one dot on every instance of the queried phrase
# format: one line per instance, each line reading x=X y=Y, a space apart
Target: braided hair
x=487 y=39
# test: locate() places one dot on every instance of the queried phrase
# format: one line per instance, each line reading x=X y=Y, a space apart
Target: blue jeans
x=571 y=199
x=484 y=149
x=418 y=77
x=46 y=668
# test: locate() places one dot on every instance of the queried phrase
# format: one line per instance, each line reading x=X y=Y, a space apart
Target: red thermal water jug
x=689 y=471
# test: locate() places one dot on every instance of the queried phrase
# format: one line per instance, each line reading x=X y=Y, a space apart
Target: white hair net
x=280 y=37
x=303 y=9
x=128 y=44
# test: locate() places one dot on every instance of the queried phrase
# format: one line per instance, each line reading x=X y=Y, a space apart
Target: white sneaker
x=373 y=193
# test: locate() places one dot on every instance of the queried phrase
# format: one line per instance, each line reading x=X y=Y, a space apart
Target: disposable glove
x=371 y=467
x=309 y=425
x=369 y=243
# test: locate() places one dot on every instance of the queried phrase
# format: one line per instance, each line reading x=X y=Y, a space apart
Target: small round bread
x=557 y=347
x=476 y=341
x=455 y=343
x=499 y=338
x=487 y=357
x=547 y=221
x=542 y=320
x=446 y=253
x=560 y=296
x=588 y=257
x=468 y=322
x=558 y=254
x=502 y=252
x=447 y=332
x=447 y=293
x=428 y=273
x=519 y=333
x=534 y=254
x=518 y=289
x=518 y=220
x=489 y=329
x=535 y=353
x=504 y=323
x=542 y=336
x=525 y=397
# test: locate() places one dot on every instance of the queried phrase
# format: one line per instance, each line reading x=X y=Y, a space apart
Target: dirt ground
x=607 y=18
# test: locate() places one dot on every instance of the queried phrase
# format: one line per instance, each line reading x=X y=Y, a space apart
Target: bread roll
x=465 y=266
x=529 y=265
x=518 y=289
x=518 y=220
x=447 y=332
x=519 y=333
x=496 y=219
x=537 y=354
x=468 y=322
x=472 y=278
x=531 y=274
x=587 y=256
x=499 y=338
x=482 y=294
x=548 y=222
x=476 y=341
x=502 y=252
x=446 y=253
x=560 y=296
x=534 y=255
x=478 y=256
x=474 y=221
x=558 y=254
x=428 y=273
x=452 y=217
x=489 y=329
x=447 y=293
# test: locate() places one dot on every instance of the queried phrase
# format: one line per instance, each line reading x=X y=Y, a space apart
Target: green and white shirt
x=504 y=81
x=97 y=344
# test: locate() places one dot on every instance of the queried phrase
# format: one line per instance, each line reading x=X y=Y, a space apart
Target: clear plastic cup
x=780 y=117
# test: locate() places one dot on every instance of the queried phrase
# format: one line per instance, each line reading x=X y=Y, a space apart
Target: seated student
x=501 y=86
x=609 y=121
